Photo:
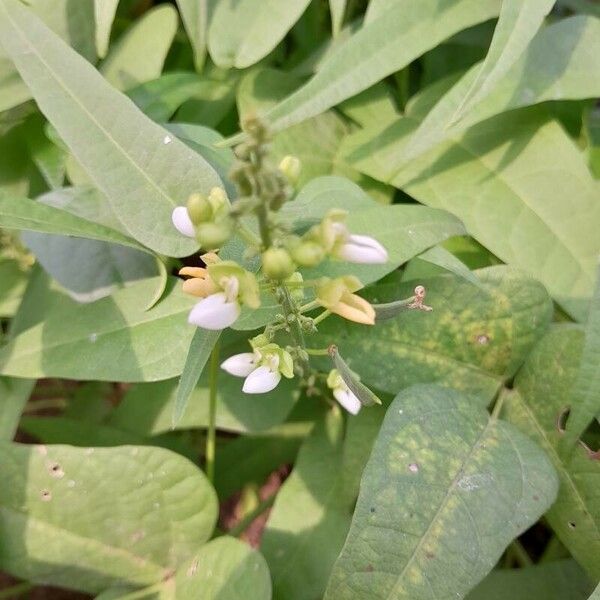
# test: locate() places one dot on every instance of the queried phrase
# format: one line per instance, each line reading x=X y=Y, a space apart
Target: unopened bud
x=308 y=254
x=218 y=200
x=277 y=263
x=291 y=166
x=213 y=235
x=199 y=209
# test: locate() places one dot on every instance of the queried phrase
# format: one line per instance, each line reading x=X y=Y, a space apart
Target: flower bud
x=308 y=254
x=199 y=209
x=213 y=235
x=291 y=166
x=218 y=200
x=277 y=263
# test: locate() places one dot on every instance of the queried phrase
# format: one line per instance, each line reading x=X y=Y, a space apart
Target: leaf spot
x=572 y=525
x=93 y=337
x=56 y=470
x=167 y=139
x=46 y=496
x=483 y=339
x=413 y=468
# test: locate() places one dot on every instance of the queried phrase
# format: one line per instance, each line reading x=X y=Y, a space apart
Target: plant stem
x=309 y=306
x=45 y=403
x=246 y=520
x=498 y=405
x=16 y=590
x=211 y=435
x=290 y=309
x=321 y=317
x=520 y=554
x=317 y=351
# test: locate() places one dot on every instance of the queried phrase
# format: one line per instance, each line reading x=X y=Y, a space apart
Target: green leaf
x=337 y=8
x=380 y=48
x=112 y=339
x=542 y=388
x=518 y=23
x=557 y=65
x=554 y=581
x=195 y=15
x=585 y=396
x=14 y=281
x=243 y=32
x=57 y=503
x=107 y=134
x=14 y=394
x=444 y=492
x=139 y=54
x=104 y=13
x=200 y=350
x=308 y=515
x=474 y=338
x=30 y=215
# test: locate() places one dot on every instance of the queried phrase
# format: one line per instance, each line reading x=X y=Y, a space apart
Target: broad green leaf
x=29 y=215
x=382 y=47
x=559 y=64
x=148 y=408
x=543 y=390
x=203 y=343
x=112 y=339
x=596 y=594
x=108 y=135
x=444 y=492
x=244 y=31
x=444 y=259
x=507 y=179
x=139 y=54
x=553 y=581
x=585 y=397
x=373 y=106
x=308 y=523
x=14 y=394
x=583 y=6
x=104 y=13
x=337 y=8
x=49 y=158
x=60 y=525
x=518 y=23
x=195 y=15
x=474 y=338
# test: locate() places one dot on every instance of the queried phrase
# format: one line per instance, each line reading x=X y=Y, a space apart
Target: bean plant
x=300 y=300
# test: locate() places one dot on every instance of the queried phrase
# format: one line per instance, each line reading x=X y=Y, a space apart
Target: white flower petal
x=214 y=312
x=240 y=365
x=348 y=400
x=363 y=249
x=183 y=223
x=261 y=380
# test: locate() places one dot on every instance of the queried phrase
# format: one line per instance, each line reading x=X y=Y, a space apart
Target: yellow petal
x=354 y=308
x=194 y=272
x=199 y=287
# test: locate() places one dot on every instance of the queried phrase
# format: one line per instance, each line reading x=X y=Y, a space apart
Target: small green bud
x=291 y=166
x=199 y=209
x=213 y=235
x=218 y=201
x=277 y=263
x=308 y=254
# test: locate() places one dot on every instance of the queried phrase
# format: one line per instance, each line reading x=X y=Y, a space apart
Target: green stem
x=317 y=351
x=290 y=309
x=309 y=306
x=35 y=405
x=321 y=317
x=16 y=590
x=498 y=405
x=247 y=520
x=211 y=435
x=520 y=554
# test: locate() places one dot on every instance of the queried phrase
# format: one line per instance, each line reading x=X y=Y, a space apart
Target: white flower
x=240 y=365
x=182 y=222
x=261 y=373
x=342 y=393
x=219 y=310
x=360 y=249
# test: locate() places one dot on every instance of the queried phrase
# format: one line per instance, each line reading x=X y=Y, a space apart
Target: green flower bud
x=199 y=209
x=213 y=235
x=218 y=201
x=291 y=166
x=308 y=254
x=277 y=263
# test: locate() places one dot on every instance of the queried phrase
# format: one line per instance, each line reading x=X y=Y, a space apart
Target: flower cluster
x=224 y=287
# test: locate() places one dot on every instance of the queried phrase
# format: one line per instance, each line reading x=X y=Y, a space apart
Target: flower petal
x=261 y=380
x=363 y=249
x=348 y=400
x=354 y=308
x=199 y=287
x=183 y=223
x=240 y=365
x=214 y=312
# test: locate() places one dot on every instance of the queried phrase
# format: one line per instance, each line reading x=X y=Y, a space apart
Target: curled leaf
x=361 y=391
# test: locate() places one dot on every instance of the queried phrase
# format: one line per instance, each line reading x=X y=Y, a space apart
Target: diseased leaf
x=444 y=492
x=543 y=390
x=382 y=47
x=474 y=338
x=109 y=136
x=244 y=31
x=139 y=54
x=518 y=23
x=60 y=525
